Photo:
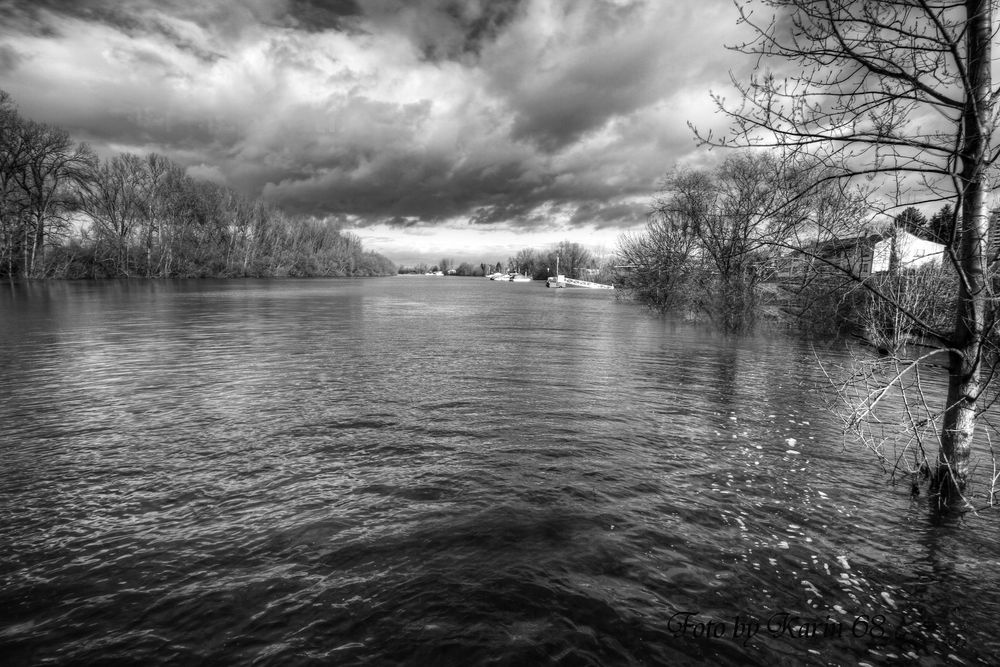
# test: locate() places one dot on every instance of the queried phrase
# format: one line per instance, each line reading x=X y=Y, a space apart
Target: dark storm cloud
x=556 y=112
x=41 y=17
x=116 y=14
x=516 y=215
x=518 y=113
x=601 y=215
x=27 y=17
x=442 y=30
x=600 y=61
x=153 y=128
x=9 y=58
x=227 y=18
x=483 y=27
x=593 y=66
x=321 y=15
x=402 y=186
x=473 y=26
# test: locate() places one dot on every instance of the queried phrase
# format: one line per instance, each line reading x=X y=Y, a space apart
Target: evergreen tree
x=942 y=225
x=914 y=222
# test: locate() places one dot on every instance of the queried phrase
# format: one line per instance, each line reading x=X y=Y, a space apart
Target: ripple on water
x=446 y=472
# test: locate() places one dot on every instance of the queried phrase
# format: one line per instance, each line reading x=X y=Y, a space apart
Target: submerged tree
x=657 y=265
x=116 y=201
x=12 y=160
x=712 y=238
x=526 y=261
x=899 y=92
x=41 y=173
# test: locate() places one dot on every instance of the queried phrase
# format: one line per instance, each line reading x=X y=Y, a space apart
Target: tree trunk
x=965 y=364
x=149 y=251
x=26 y=255
x=38 y=252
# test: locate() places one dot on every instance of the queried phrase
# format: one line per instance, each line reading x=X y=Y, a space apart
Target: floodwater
x=429 y=470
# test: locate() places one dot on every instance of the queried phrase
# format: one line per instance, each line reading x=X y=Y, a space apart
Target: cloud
x=206 y=172
x=444 y=30
x=9 y=58
x=321 y=15
x=507 y=114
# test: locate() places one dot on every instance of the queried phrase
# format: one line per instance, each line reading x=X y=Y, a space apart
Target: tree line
x=566 y=257
x=65 y=213
x=569 y=258
x=449 y=266
x=716 y=239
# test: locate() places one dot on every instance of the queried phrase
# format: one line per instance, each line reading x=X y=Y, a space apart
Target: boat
x=571 y=282
x=510 y=277
x=559 y=280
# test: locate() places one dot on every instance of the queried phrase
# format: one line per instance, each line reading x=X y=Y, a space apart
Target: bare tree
x=43 y=170
x=713 y=236
x=526 y=261
x=656 y=264
x=146 y=216
x=572 y=258
x=899 y=91
x=13 y=158
x=157 y=170
x=116 y=202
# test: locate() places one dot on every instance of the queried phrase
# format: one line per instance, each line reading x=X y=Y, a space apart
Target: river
x=431 y=470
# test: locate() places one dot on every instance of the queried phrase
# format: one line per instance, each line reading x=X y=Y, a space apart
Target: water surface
x=425 y=470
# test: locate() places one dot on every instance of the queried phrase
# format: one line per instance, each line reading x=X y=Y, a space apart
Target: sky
x=466 y=129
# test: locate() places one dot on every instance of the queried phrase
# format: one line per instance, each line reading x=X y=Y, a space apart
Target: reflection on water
x=446 y=471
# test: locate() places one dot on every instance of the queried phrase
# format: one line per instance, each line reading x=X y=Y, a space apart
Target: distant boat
x=509 y=277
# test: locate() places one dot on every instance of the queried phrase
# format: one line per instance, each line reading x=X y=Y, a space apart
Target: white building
x=864 y=255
